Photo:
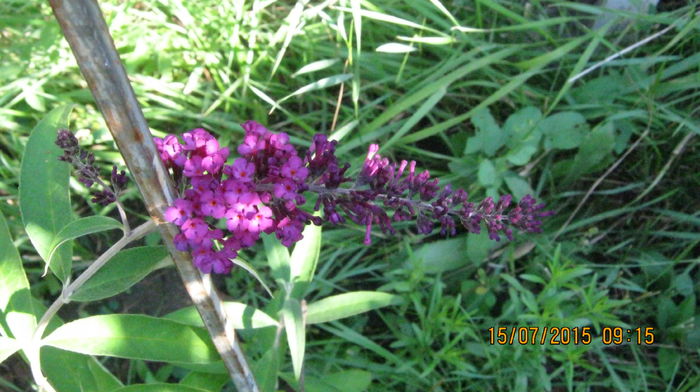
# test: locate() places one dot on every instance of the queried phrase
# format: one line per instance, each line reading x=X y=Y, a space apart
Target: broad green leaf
x=442 y=255
x=305 y=257
x=521 y=155
x=564 y=130
x=43 y=191
x=478 y=246
x=597 y=146
x=72 y=372
x=159 y=387
x=487 y=174
x=122 y=271
x=135 y=336
x=347 y=381
x=296 y=333
x=488 y=131
x=344 y=305
x=242 y=316
x=206 y=381
x=15 y=297
x=265 y=370
x=277 y=257
x=8 y=346
x=81 y=227
x=518 y=186
x=521 y=124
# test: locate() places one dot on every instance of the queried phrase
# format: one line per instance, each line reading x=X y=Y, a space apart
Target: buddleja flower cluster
x=225 y=207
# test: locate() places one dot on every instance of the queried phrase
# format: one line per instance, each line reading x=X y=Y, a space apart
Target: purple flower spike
x=262 y=192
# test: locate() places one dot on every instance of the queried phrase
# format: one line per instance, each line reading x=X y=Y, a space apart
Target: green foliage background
x=475 y=91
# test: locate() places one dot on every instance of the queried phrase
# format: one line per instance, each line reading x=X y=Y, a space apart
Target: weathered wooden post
x=85 y=29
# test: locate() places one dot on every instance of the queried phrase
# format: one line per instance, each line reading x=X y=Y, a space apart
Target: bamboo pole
x=85 y=29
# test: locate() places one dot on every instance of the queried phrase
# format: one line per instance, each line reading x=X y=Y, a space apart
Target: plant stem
x=67 y=291
x=85 y=30
x=64 y=298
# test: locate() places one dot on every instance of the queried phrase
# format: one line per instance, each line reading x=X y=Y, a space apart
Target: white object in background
x=638 y=6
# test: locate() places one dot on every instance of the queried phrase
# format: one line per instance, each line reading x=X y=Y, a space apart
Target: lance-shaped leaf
x=135 y=336
x=304 y=259
x=79 y=228
x=349 y=304
x=278 y=258
x=296 y=333
x=73 y=372
x=242 y=316
x=43 y=191
x=122 y=271
x=15 y=298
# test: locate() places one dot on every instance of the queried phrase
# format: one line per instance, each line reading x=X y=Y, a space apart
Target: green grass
x=456 y=104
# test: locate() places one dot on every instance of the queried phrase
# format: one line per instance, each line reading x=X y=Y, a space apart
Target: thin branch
x=84 y=27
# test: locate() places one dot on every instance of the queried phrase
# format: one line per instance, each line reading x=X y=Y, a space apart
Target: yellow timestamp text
x=570 y=335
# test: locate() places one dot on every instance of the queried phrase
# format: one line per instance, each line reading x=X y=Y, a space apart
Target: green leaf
x=81 y=227
x=487 y=174
x=135 y=336
x=15 y=297
x=347 y=381
x=521 y=124
x=43 y=191
x=521 y=154
x=443 y=255
x=394 y=47
x=242 y=316
x=518 y=186
x=278 y=258
x=72 y=372
x=159 y=387
x=304 y=258
x=315 y=66
x=122 y=271
x=669 y=359
x=597 y=146
x=564 y=130
x=488 y=131
x=205 y=381
x=265 y=370
x=344 y=305
x=318 y=85
x=251 y=270
x=478 y=246
x=296 y=333
x=8 y=346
